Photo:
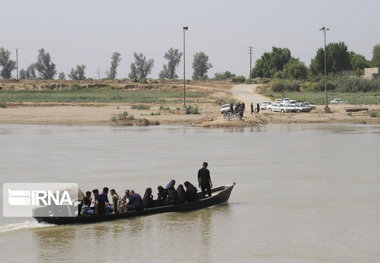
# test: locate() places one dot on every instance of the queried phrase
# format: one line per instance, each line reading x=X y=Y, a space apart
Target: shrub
x=123 y=115
x=75 y=87
x=373 y=114
x=140 y=107
x=2 y=105
x=284 y=85
x=113 y=119
x=155 y=113
x=192 y=110
x=238 y=79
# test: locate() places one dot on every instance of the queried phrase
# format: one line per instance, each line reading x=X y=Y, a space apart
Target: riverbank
x=126 y=103
x=110 y=113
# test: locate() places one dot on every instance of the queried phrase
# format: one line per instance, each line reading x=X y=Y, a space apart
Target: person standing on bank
x=251 y=108
x=204 y=180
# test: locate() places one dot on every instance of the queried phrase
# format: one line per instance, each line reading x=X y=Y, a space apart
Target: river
x=304 y=193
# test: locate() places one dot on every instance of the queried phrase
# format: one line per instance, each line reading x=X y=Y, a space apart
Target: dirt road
x=247 y=93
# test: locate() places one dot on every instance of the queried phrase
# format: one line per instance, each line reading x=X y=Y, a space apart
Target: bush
x=140 y=107
x=192 y=110
x=238 y=79
x=123 y=115
x=373 y=114
x=2 y=105
x=75 y=86
x=284 y=85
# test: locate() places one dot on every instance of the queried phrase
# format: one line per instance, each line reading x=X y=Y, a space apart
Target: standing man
x=251 y=108
x=258 y=108
x=204 y=180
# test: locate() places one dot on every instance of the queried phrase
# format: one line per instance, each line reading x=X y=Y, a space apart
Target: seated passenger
x=100 y=203
x=116 y=203
x=124 y=200
x=191 y=192
x=104 y=194
x=148 y=198
x=86 y=204
x=182 y=197
x=134 y=202
x=161 y=196
x=172 y=197
x=170 y=185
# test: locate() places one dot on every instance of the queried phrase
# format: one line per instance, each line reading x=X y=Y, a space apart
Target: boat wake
x=23 y=225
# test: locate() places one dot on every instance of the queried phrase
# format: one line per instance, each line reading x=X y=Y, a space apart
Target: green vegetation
x=349 y=114
x=155 y=113
x=2 y=105
x=140 y=107
x=123 y=115
x=222 y=101
x=76 y=93
x=192 y=110
x=373 y=114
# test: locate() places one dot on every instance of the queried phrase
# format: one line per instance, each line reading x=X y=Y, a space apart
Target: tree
x=200 y=66
x=22 y=74
x=174 y=57
x=30 y=72
x=6 y=63
x=295 y=69
x=224 y=75
x=44 y=66
x=376 y=56
x=61 y=75
x=78 y=73
x=115 y=60
x=271 y=62
x=141 y=68
x=337 y=59
x=358 y=61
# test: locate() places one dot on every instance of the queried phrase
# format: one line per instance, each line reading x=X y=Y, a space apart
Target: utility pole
x=17 y=63
x=250 y=51
x=184 y=69
x=326 y=109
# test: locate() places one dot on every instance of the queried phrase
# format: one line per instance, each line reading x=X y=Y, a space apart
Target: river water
x=304 y=193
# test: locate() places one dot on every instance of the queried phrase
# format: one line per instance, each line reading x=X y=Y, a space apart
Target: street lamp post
x=184 y=67
x=326 y=109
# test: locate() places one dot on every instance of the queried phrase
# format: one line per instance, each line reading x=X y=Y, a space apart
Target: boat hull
x=221 y=195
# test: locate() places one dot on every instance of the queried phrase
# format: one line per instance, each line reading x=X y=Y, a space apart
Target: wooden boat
x=219 y=195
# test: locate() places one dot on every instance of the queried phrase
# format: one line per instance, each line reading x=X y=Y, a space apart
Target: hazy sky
x=89 y=31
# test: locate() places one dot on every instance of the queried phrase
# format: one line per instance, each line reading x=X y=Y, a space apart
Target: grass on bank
x=94 y=95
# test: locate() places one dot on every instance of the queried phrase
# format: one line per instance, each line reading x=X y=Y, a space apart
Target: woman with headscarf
x=161 y=196
x=148 y=198
x=182 y=197
x=191 y=192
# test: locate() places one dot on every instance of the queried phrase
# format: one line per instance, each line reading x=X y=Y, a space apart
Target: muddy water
x=304 y=193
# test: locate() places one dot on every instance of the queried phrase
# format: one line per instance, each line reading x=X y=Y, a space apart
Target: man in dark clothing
x=204 y=180
x=251 y=108
x=191 y=192
x=258 y=108
x=100 y=203
x=135 y=202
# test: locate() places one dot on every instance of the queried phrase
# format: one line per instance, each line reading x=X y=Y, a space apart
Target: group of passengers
x=131 y=201
x=99 y=204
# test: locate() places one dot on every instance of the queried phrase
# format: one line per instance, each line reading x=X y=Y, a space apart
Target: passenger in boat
x=116 y=202
x=104 y=194
x=172 y=197
x=161 y=196
x=100 y=203
x=124 y=200
x=170 y=185
x=182 y=197
x=204 y=180
x=86 y=204
x=135 y=202
x=191 y=192
x=148 y=198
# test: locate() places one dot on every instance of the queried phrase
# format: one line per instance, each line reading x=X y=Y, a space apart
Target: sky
x=89 y=31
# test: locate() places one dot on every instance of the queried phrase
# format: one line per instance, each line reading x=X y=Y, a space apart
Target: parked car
x=312 y=106
x=290 y=107
x=286 y=100
x=301 y=107
x=278 y=101
x=225 y=108
x=337 y=101
x=264 y=105
x=273 y=106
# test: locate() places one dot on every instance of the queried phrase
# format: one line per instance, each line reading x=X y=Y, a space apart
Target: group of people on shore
x=99 y=204
x=239 y=108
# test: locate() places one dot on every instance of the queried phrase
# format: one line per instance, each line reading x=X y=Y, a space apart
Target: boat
x=219 y=195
